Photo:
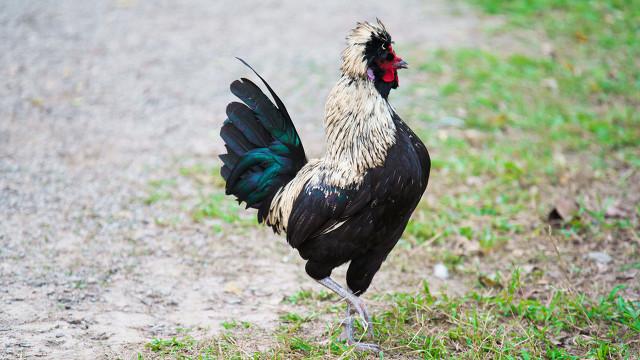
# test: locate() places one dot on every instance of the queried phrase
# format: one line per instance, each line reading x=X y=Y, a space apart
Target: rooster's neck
x=359 y=127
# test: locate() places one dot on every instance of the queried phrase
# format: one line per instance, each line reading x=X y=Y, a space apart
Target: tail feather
x=254 y=132
x=235 y=139
x=264 y=151
x=267 y=114
x=225 y=172
x=281 y=106
x=229 y=160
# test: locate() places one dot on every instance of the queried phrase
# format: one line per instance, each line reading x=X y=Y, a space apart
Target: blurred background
x=116 y=239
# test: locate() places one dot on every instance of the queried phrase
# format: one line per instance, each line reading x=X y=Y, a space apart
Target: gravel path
x=98 y=98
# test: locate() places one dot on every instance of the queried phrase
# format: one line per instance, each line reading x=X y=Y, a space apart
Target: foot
x=349 y=332
x=365 y=346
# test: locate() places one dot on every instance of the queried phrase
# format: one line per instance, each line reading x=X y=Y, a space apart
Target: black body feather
x=330 y=226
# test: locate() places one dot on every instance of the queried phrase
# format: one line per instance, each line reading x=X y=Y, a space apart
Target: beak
x=401 y=64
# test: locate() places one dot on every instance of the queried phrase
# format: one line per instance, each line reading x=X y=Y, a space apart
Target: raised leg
x=354 y=304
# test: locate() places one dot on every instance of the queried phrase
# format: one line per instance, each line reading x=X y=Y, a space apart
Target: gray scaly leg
x=353 y=303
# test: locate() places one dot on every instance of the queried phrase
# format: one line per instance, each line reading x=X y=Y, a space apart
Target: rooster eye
x=389 y=56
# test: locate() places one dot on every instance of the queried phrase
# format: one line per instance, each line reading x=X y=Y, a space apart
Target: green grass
x=583 y=95
x=307 y=296
x=507 y=132
x=211 y=205
x=159 y=190
x=171 y=346
x=524 y=125
x=484 y=323
x=215 y=205
x=505 y=324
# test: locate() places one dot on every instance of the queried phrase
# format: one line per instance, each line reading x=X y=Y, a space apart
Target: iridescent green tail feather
x=264 y=151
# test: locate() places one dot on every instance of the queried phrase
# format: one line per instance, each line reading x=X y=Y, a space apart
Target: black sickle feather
x=281 y=106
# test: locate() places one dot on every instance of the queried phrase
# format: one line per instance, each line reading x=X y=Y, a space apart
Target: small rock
x=599 y=257
x=627 y=275
x=101 y=336
x=563 y=211
x=551 y=84
x=55 y=342
x=615 y=212
x=548 y=50
x=440 y=271
x=233 y=288
x=233 y=301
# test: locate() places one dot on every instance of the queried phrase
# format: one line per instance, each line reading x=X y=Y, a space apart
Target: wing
x=321 y=208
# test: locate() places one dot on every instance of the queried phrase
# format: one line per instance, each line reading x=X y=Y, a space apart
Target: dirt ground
x=100 y=97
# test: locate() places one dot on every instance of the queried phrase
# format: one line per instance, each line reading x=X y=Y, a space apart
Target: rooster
x=351 y=205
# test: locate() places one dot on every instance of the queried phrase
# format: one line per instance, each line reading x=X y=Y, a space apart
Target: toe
x=370 y=329
x=367 y=347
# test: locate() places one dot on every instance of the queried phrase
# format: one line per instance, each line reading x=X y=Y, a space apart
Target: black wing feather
x=319 y=207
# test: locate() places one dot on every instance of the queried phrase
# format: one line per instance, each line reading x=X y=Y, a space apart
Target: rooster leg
x=351 y=299
x=358 y=305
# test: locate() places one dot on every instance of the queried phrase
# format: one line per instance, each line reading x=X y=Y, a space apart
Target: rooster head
x=370 y=54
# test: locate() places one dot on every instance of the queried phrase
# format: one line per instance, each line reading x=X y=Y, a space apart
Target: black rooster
x=350 y=205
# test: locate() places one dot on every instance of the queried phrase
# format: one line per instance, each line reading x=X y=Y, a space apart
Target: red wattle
x=389 y=75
